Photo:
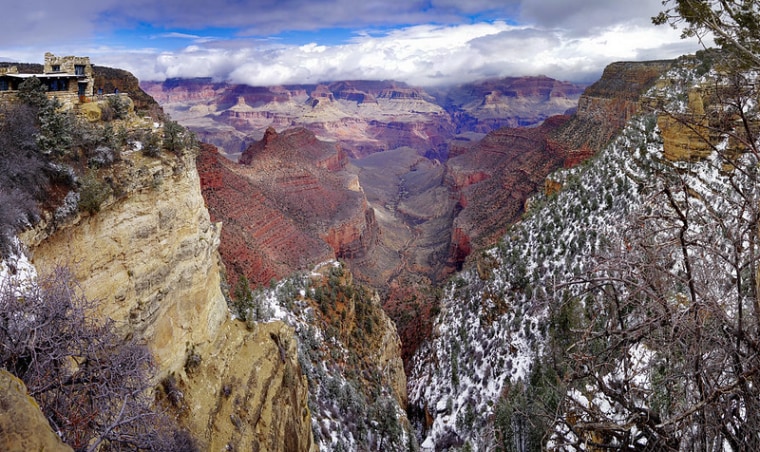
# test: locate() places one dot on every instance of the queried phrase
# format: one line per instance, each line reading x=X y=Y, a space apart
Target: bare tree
x=93 y=386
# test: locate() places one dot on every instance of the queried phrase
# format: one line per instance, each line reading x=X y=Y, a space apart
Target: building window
x=4 y=85
x=56 y=68
x=79 y=69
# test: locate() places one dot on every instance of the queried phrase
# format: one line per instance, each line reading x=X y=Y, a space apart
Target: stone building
x=69 y=79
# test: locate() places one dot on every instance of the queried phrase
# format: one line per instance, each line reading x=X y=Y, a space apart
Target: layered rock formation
x=149 y=257
x=289 y=205
x=493 y=181
x=495 y=177
x=606 y=106
x=508 y=102
x=23 y=427
x=363 y=116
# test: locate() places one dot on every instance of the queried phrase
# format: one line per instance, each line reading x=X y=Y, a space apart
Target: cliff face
x=149 y=257
x=246 y=391
x=606 y=106
x=23 y=427
x=288 y=205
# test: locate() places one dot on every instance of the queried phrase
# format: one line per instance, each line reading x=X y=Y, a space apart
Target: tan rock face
x=149 y=258
x=23 y=427
x=682 y=141
x=248 y=392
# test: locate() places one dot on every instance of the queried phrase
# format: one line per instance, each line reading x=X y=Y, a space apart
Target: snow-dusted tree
x=670 y=357
x=734 y=24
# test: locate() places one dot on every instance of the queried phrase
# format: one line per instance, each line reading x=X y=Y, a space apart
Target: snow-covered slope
x=497 y=316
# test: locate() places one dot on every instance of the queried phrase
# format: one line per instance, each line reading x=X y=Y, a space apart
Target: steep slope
x=494 y=178
x=147 y=253
x=289 y=205
x=350 y=353
x=470 y=382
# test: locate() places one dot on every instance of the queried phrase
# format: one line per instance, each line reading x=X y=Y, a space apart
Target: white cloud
x=420 y=55
x=566 y=39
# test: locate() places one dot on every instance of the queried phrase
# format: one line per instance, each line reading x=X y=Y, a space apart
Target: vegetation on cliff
x=92 y=385
x=349 y=351
x=56 y=166
x=621 y=312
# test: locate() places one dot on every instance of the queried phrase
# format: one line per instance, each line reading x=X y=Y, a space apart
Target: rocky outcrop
x=23 y=427
x=149 y=257
x=286 y=206
x=605 y=107
x=111 y=80
x=245 y=391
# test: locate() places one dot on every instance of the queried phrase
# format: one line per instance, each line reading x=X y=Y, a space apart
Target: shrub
x=91 y=383
x=93 y=192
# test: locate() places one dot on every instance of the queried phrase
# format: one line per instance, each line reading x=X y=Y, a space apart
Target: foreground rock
x=245 y=391
x=23 y=427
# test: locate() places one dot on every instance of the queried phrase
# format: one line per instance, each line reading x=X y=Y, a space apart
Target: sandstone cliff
x=606 y=106
x=23 y=427
x=245 y=391
x=149 y=256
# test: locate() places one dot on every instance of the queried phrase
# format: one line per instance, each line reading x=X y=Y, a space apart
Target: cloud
x=420 y=55
x=423 y=42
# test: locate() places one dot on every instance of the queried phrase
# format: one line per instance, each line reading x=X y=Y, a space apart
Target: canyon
x=405 y=212
x=400 y=184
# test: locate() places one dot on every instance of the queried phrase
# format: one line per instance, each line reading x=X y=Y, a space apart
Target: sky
x=272 y=42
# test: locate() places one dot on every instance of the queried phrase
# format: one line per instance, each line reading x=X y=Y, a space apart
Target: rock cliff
x=149 y=256
x=23 y=427
x=508 y=102
x=245 y=391
x=286 y=206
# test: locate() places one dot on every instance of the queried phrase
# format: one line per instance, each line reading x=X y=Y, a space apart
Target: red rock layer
x=494 y=178
x=257 y=239
x=287 y=206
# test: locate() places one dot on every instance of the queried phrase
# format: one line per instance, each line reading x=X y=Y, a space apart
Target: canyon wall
x=149 y=257
x=288 y=205
x=363 y=116
x=494 y=178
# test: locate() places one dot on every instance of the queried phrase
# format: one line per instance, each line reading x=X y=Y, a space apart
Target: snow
x=17 y=271
x=489 y=332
